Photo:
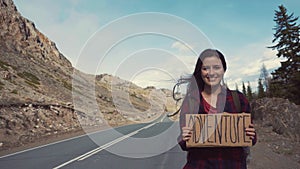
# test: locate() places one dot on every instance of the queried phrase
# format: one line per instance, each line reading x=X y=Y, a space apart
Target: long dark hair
x=195 y=81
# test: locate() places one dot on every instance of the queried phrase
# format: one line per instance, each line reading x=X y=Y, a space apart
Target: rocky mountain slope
x=42 y=94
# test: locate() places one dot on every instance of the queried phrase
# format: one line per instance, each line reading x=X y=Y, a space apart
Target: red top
x=208 y=108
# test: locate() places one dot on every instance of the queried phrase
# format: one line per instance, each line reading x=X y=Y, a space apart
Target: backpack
x=237 y=104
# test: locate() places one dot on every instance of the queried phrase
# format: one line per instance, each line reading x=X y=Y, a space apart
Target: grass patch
x=1 y=85
x=31 y=84
x=14 y=91
x=30 y=78
x=47 y=74
x=4 y=65
x=67 y=85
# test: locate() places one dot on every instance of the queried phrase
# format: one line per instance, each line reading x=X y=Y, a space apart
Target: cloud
x=167 y=71
x=267 y=57
x=181 y=47
x=153 y=67
x=246 y=62
x=154 y=77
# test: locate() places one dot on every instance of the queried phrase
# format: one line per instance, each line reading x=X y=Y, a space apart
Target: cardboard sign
x=222 y=129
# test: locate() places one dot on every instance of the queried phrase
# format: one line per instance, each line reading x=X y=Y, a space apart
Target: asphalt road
x=139 y=146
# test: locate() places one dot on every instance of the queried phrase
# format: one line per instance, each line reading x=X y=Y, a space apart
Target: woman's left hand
x=250 y=131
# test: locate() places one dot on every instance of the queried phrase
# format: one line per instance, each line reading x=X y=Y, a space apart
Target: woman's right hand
x=186 y=133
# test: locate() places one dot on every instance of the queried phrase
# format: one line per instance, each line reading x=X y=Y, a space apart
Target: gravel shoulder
x=264 y=157
x=274 y=151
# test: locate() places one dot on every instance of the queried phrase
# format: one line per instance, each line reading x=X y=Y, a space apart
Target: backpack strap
x=237 y=104
x=236 y=100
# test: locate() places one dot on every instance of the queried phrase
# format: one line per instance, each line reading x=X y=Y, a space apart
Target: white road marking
x=107 y=145
x=162 y=119
x=23 y=151
x=94 y=151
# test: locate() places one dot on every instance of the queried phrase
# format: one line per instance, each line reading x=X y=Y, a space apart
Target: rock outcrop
x=20 y=35
x=43 y=95
x=280 y=114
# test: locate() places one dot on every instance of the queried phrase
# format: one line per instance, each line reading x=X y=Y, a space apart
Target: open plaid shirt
x=214 y=157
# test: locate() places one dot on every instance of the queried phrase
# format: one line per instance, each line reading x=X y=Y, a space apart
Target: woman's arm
x=185 y=131
x=183 y=112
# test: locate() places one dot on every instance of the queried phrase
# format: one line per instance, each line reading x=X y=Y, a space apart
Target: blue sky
x=240 y=29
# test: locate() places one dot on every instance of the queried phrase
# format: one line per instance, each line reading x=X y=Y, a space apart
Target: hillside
x=42 y=95
x=277 y=123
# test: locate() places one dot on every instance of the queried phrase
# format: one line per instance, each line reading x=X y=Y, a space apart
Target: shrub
x=1 y=85
x=4 y=65
x=67 y=85
x=14 y=91
x=30 y=78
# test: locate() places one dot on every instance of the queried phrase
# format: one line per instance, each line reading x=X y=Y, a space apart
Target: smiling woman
x=207 y=94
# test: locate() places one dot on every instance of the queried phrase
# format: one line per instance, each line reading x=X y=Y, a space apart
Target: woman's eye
x=217 y=67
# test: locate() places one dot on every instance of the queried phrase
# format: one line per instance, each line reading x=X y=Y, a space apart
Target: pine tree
x=249 y=92
x=244 y=89
x=236 y=87
x=261 y=92
x=264 y=77
x=287 y=36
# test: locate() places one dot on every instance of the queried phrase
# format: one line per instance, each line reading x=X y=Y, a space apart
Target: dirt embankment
x=277 y=125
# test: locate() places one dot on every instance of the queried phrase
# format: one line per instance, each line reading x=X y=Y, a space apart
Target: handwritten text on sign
x=222 y=129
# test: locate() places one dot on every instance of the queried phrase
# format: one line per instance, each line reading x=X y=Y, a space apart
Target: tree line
x=284 y=82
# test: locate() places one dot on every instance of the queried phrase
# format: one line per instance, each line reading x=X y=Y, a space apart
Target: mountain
x=43 y=95
x=31 y=66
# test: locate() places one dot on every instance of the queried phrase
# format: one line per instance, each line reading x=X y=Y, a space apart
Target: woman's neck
x=212 y=90
x=210 y=94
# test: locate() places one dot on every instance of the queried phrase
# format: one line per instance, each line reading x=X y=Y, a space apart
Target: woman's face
x=212 y=71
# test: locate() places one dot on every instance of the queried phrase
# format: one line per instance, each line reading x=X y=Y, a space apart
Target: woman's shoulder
x=241 y=96
x=239 y=93
x=243 y=101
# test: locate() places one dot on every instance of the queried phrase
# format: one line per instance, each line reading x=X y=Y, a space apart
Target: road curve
x=147 y=146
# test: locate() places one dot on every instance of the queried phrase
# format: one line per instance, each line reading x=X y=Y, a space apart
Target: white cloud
x=154 y=77
x=245 y=64
x=254 y=64
x=154 y=67
x=181 y=47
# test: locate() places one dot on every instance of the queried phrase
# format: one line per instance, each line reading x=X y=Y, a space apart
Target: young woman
x=207 y=89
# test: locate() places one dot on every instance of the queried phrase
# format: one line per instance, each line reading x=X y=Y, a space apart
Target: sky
x=153 y=43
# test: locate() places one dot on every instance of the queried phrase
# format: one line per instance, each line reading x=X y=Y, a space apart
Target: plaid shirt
x=214 y=157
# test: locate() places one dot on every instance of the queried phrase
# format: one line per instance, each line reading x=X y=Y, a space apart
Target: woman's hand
x=186 y=133
x=250 y=131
